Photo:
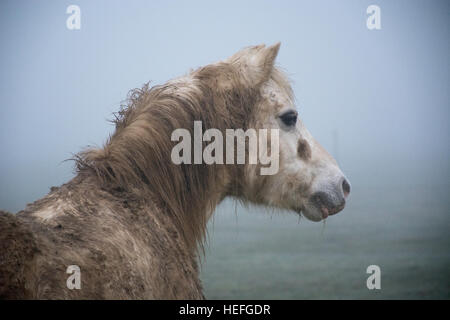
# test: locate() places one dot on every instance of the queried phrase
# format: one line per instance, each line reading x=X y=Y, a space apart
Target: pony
x=132 y=222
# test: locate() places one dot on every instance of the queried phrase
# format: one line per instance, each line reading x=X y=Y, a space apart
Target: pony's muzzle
x=332 y=200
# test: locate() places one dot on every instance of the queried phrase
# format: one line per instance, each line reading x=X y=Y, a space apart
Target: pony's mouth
x=323 y=204
x=330 y=211
x=317 y=212
x=314 y=214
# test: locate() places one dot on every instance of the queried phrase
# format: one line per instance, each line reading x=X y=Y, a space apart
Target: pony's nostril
x=346 y=187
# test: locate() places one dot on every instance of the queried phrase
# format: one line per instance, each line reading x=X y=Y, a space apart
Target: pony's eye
x=289 y=118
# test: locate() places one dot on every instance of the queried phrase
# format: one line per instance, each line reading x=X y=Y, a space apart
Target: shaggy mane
x=136 y=157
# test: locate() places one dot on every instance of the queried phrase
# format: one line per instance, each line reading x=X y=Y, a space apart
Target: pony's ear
x=255 y=64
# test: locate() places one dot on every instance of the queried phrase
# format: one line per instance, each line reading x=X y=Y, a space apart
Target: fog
x=378 y=100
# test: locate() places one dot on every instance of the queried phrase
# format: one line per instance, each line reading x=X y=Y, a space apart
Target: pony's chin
x=313 y=214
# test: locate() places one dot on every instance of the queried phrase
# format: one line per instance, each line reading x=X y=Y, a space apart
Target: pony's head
x=308 y=179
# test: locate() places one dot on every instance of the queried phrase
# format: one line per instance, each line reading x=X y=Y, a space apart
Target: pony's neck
x=138 y=155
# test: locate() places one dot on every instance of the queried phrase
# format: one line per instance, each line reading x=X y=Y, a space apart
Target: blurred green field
x=258 y=254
